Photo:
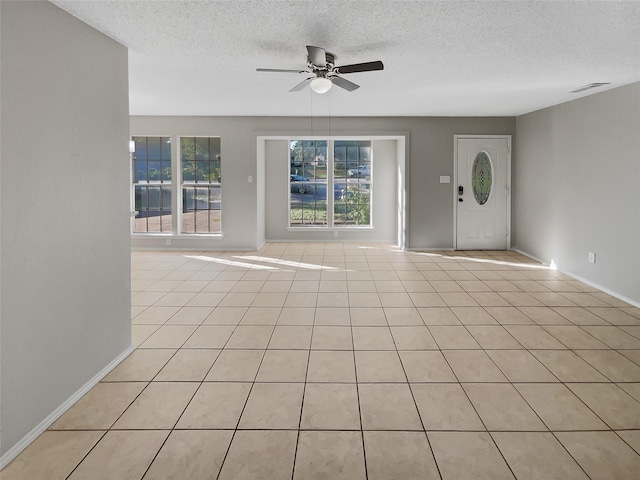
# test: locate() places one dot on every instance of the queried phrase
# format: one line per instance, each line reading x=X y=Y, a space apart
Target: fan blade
x=317 y=56
x=344 y=83
x=360 y=67
x=301 y=85
x=283 y=70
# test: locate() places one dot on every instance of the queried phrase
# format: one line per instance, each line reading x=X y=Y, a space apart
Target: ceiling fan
x=325 y=73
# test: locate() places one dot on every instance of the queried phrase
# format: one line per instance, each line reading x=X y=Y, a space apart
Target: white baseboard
x=181 y=248
x=617 y=295
x=14 y=451
x=532 y=257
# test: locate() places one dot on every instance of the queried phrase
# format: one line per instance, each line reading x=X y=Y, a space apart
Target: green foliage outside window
x=200 y=159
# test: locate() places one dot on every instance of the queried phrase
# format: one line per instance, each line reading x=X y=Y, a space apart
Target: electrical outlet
x=591 y=257
x=168 y=242
x=335 y=234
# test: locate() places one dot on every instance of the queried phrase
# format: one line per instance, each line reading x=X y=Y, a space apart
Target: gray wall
x=65 y=245
x=429 y=154
x=576 y=188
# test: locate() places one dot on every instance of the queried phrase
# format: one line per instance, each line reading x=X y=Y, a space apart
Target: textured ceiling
x=441 y=58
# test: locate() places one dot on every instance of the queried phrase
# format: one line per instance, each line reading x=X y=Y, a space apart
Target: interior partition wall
x=65 y=257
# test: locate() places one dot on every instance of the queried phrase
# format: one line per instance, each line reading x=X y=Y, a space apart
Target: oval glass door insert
x=481 y=177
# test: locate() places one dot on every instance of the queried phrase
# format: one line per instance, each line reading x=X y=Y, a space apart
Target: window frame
x=316 y=184
x=174 y=185
x=196 y=184
x=162 y=184
x=331 y=224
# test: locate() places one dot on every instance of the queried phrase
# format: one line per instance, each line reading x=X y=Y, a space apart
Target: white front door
x=482 y=200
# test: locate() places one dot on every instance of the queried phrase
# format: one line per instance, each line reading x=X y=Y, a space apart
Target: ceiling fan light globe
x=321 y=85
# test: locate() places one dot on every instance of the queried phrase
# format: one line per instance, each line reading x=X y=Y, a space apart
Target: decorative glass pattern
x=481 y=178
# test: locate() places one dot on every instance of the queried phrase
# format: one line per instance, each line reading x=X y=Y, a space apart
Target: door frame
x=455 y=183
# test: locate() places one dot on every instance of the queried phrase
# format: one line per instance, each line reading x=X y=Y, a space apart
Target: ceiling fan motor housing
x=330 y=59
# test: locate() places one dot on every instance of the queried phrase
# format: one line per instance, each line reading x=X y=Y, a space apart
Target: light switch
x=250 y=179
x=445 y=179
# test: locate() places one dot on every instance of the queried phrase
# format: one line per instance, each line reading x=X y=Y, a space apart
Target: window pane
x=152 y=164
x=141 y=148
x=339 y=214
x=140 y=195
x=166 y=149
x=321 y=172
x=214 y=221
x=340 y=170
x=200 y=221
x=140 y=222
x=188 y=171
x=308 y=182
x=309 y=208
x=214 y=198
x=352 y=205
x=365 y=151
x=309 y=152
x=165 y=223
x=153 y=148
x=166 y=200
x=188 y=222
x=139 y=171
x=214 y=149
x=215 y=172
x=339 y=190
x=201 y=165
x=154 y=198
x=187 y=149
x=188 y=199
x=352 y=155
x=202 y=198
x=202 y=148
x=153 y=171
x=165 y=174
x=202 y=172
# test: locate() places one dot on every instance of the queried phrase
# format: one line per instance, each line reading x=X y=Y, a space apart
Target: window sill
x=182 y=236
x=329 y=229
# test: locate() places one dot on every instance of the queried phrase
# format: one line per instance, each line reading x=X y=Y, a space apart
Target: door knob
x=460 y=199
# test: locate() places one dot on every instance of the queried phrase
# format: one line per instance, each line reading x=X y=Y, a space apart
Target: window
x=201 y=184
x=308 y=183
x=352 y=183
x=319 y=167
x=152 y=184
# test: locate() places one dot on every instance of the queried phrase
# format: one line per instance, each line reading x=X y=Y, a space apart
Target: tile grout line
x=304 y=389
x=433 y=456
x=355 y=371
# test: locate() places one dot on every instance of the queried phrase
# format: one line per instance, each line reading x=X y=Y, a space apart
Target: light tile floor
x=347 y=361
